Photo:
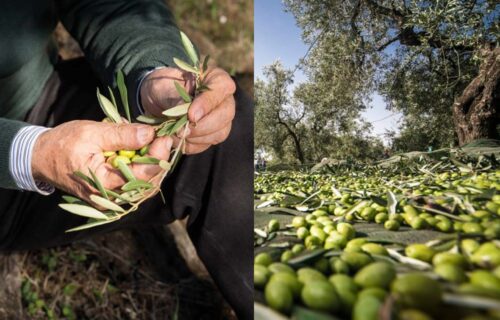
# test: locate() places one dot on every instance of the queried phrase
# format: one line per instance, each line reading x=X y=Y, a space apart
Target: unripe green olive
x=298 y=248
x=356 y=260
x=260 y=276
x=374 y=248
x=346 y=230
x=376 y=274
x=118 y=159
x=320 y=295
x=415 y=290
x=322 y=266
x=273 y=225
x=302 y=233
x=108 y=153
x=276 y=267
x=391 y=225
x=469 y=246
x=450 y=272
x=127 y=153
x=335 y=239
x=418 y=223
x=286 y=256
x=368 y=213
x=318 y=233
x=420 y=251
x=298 y=222
x=485 y=279
x=338 y=266
x=472 y=227
x=449 y=257
x=381 y=217
x=279 y=296
x=288 y=279
x=307 y=274
x=263 y=259
x=144 y=150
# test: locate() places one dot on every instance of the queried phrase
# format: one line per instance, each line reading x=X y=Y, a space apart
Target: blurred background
x=136 y=274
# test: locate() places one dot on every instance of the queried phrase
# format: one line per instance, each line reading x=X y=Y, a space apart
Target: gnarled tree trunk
x=476 y=112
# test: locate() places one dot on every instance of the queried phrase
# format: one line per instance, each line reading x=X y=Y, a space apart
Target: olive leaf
x=105 y=203
x=189 y=48
x=125 y=170
x=136 y=184
x=145 y=160
x=83 y=210
x=90 y=225
x=181 y=122
x=185 y=66
x=122 y=88
x=98 y=184
x=166 y=128
x=182 y=92
x=165 y=165
x=85 y=178
x=391 y=202
x=111 y=94
x=71 y=199
x=108 y=108
x=149 y=120
x=177 y=111
x=205 y=63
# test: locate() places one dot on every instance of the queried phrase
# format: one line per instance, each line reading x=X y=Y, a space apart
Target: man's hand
x=212 y=111
x=79 y=145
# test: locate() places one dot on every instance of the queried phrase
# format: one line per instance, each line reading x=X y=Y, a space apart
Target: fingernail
x=198 y=114
x=143 y=135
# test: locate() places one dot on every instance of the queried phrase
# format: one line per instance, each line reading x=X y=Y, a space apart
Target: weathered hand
x=79 y=145
x=212 y=111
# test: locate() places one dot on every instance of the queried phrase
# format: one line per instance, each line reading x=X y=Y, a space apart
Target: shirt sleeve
x=21 y=152
x=134 y=36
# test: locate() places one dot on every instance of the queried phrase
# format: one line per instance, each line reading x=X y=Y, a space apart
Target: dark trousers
x=214 y=188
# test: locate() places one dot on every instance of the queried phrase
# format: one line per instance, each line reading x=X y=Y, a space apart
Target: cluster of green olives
x=355 y=277
x=125 y=156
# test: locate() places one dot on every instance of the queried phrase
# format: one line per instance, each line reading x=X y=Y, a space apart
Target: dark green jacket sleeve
x=9 y=130
x=130 y=35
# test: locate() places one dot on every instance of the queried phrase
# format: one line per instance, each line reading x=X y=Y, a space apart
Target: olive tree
x=428 y=58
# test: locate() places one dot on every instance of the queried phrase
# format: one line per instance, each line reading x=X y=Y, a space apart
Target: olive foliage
x=419 y=55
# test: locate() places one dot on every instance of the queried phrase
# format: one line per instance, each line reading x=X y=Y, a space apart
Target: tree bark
x=296 y=141
x=476 y=112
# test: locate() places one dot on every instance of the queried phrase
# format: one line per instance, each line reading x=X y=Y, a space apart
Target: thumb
x=127 y=137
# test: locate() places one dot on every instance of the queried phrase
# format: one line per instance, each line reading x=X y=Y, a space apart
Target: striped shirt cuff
x=21 y=152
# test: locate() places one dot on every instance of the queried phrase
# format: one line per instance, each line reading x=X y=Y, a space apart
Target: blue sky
x=277 y=36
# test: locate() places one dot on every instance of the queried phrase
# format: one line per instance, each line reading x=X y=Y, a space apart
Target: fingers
x=221 y=86
x=218 y=119
x=211 y=138
x=160 y=149
x=126 y=137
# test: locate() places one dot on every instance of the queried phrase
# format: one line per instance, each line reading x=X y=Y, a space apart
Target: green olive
x=276 y=267
x=376 y=274
x=472 y=227
x=320 y=295
x=260 y=276
x=263 y=259
x=415 y=290
x=450 y=272
x=366 y=308
x=413 y=314
x=144 y=150
x=391 y=225
x=420 y=251
x=338 y=266
x=381 y=217
x=118 y=159
x=449 y=257
x=127 y=153
x=374 y=248
x=322 y=266
x=307 y=274
x=356 y=260
x=346 y=230
x=298 y=222
x=108 y=153
x=376 y=292
x=279 y=296
x=273 y=225
x=298 y=248
x=288 y=279
x=346 y=290
x=485 y=279
x=302 y=233
x=318 y=233
x=286 y=256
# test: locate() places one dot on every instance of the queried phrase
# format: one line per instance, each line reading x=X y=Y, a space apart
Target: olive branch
x=119 y=203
